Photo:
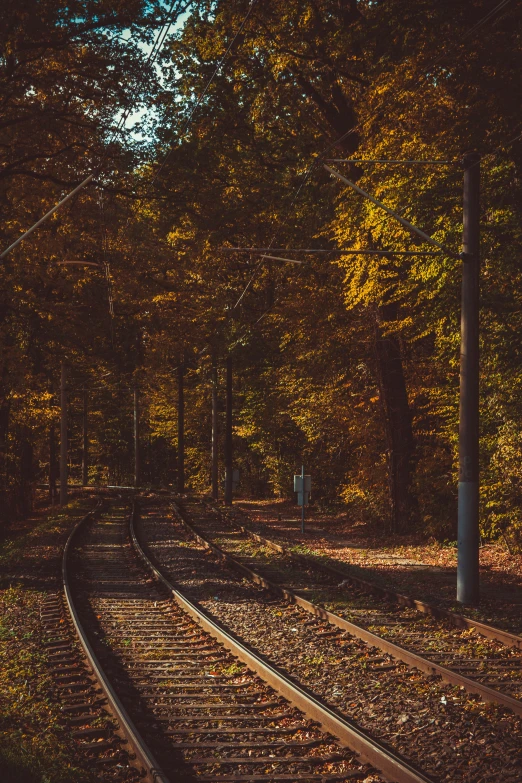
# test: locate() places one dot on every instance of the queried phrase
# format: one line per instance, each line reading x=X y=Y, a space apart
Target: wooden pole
x=137 y=465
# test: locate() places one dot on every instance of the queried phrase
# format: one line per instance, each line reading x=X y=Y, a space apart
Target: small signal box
x=303 y=487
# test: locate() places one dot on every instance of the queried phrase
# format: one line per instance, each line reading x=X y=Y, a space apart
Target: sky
x=137 y=116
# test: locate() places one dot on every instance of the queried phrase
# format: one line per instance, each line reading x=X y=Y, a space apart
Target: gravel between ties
x=486 y=660
x=202 y=712
x=437 y=726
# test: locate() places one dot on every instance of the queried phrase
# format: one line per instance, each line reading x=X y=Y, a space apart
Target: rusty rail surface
x=393 y=767
x=456 y=619
x=144 y=760
x=400 y=653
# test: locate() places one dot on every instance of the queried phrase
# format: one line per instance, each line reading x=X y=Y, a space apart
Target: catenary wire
x=500 y=6
x=166 y=25
x=199 y=100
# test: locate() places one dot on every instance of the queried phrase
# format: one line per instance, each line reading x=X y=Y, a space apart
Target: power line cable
x=199 y=100
x=150 y=59
x=297 y=190
x=499 y=7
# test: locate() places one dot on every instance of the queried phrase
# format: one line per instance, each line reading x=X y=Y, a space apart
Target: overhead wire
x=297 y=190
x=307 y=174
x=122 y=120
x=482 y=21
x=205 y=90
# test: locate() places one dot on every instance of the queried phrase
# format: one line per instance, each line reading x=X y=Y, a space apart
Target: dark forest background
x=349 y=364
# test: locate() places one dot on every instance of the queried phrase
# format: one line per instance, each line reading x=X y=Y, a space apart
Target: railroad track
x=461 y=656
x=438 y=727
x=190 y=701
x=236 y=517
x=90 y=713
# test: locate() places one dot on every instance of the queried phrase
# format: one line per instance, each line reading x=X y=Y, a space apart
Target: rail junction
x=158 y=686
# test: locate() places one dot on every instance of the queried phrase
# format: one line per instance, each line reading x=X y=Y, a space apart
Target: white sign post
x=303 y=487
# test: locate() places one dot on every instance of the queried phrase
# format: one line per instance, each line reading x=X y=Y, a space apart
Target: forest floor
x=35 y=745
x=423 y=569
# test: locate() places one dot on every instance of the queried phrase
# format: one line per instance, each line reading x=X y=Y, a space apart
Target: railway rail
x=438 y=727
x=90 y=709
x=371 y=588
x=434 y=645
x=188 y=699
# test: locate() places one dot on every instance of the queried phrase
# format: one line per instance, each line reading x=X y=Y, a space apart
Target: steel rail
x=400 y=653
x=393 y=767
x=458 y=620
x=127 y=729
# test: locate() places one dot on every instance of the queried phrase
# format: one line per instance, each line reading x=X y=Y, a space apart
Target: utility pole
x=85 y=442
x=468 y=590
x=228 y=435
x=63 y=435
x=215 y=432
x=137 y=465
x=181 y=429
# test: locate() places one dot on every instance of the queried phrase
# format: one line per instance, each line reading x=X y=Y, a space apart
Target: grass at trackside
x=35 y=746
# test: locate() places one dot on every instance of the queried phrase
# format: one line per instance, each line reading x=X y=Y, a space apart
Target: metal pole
x=63 y=436
x=303 y=498
x=468 y=590
x=137 y=465
x=215 y=433
x=181 y=430
x=85 y=444
x=228 y=436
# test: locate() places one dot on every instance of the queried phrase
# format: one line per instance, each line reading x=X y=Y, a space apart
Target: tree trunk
x=5 y=409
x=85 y=441
x=399 y=433
x=215 y=433
x=53 y=465
x=26 y=474
x=228 y=434
x=181 y=430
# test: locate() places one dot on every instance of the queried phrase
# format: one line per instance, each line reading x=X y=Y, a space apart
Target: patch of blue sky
x=142 y=118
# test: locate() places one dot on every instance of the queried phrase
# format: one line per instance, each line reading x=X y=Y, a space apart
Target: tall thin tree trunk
x=85 y=441
x=399 y=433
x=26 y=473
x=228 y=434
x=53 y=464
x=5 y=410
x=181 y=429
x=215 y=433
